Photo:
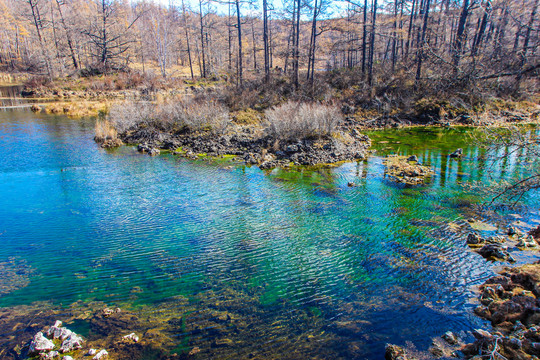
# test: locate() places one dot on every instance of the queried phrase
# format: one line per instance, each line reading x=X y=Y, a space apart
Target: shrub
x=180 y=115
x=295 y=120
x=104 y=130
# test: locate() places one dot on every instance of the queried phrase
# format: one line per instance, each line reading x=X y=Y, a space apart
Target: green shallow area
x=229 y=257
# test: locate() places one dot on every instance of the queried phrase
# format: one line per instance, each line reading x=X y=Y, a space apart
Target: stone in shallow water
x=527 y=241
x=474 y=239
x=495 y=251
x=102 y=354
x=450 y=338
x=49 y=356
x=131 y=337
x=72 y=342
x=394 y=352
x=40 y=343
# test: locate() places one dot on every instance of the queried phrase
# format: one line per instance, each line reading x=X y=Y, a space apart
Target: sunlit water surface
x=132 y=230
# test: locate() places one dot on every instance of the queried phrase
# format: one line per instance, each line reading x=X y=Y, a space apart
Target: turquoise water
x=82 y=223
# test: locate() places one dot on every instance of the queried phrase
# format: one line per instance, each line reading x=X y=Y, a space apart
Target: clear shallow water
x=366 y=265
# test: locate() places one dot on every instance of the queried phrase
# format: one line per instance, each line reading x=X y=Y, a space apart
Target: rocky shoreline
x=250 y=145
x=510 y=301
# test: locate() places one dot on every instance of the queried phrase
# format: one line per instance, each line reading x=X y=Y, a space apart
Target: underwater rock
x=148 y=149
x=450 y=338
x=67 y=357
x=413 y=158
x=456 y=154
x=91 y=352
x=496 y=240
x=436 y=350
x=111 y=143
x=394 y=352
x=40 y=343
x=49 y=356
x=131 y=337
x=474 y=239
x=527 y=241
x=535 y=232
x=495 y=251
x=102 y=354
x=72 y=342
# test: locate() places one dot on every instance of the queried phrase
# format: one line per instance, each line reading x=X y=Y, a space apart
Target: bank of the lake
x=219 y=259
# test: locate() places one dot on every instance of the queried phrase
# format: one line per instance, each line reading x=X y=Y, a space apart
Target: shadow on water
x=239 y=262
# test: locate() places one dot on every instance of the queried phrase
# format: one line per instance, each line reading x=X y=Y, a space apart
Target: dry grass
x=171 y=115
x=78 y=108
x=104 y=130
x=295 y=120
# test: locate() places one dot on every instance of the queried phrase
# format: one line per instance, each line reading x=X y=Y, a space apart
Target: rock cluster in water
x=57 y=341
x=497 y=248
x=511 y=302
x=406 y=170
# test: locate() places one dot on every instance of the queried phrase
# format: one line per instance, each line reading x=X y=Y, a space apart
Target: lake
x=245 y=263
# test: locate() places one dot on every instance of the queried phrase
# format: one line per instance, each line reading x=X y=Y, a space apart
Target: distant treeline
x=416 y=41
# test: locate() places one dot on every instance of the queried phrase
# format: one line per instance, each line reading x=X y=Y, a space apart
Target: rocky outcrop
x=510 y=301
x=406 y=170
x=252 y=146
x=40 y=344
x=495 y=252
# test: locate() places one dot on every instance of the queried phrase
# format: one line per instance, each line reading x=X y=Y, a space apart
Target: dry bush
x=37 y=82
x=295 y=120
x=129 y=115
x=104 y=130
x=179 y=115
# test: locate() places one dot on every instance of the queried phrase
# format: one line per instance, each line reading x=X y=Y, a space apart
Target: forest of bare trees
x=416 y=42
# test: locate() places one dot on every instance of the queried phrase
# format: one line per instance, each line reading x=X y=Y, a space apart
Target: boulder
x=413 y=158
x=456 y=154
x=511 y=230
x=474 y=239
x=40 y=343
x=72 y=342
x=102 y=354
x=495 y=251
x=394 y=352
x=49 y=356
x=526 y=241
x=131 y=337
x=450 y=338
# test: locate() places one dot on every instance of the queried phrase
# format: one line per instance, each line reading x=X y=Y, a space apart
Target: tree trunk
x=482 y=29
x=526 y=42
x=460 y=35
x=68 y=36
x=409 y=33
x=372 y=45
x=239 y=27
x=364 y=38
x=266 y=43
x=422 y=43
x=187 y=39
x=39 y=27
x=203 y=70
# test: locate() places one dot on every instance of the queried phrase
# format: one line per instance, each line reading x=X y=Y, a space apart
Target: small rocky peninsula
x=293 y=134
